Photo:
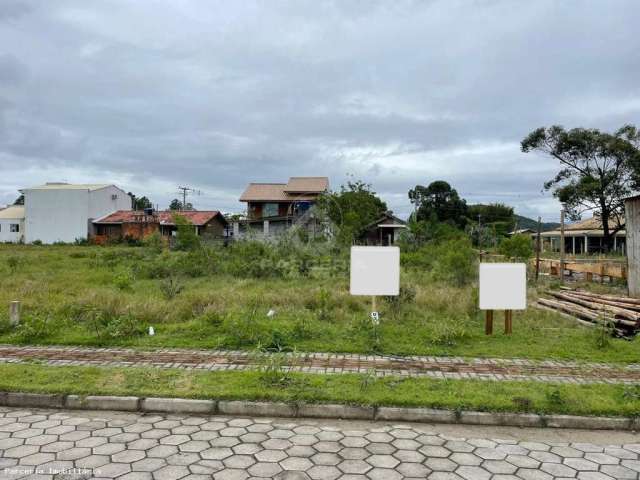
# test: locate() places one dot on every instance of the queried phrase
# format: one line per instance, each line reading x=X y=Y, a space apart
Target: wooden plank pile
x=622 y=314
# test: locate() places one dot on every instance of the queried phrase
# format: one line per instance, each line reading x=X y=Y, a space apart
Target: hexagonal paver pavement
x=75 y=445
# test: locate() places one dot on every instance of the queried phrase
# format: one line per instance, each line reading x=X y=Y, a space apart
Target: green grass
x=106 y=297
x=480 y=395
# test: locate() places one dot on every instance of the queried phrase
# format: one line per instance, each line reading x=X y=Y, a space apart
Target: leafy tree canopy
x=439 y=201
x=493 y=212
x=598 y=170
x=177 y=205
x=352 y=208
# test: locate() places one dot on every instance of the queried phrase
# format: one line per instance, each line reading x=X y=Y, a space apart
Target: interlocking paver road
x=78 y=444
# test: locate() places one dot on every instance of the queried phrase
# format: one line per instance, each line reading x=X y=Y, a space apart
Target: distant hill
x=524 y=222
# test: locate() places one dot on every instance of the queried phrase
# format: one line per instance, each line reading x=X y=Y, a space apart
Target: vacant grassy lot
x=219 y=298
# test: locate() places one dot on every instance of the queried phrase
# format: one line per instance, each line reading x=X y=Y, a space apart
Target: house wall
x=56 y=215
x=107 y=200
x=64 y=215
x=6 y=235
x=255 y=209
x=213 y=229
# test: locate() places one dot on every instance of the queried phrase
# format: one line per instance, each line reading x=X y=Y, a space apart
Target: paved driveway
x=80 y=444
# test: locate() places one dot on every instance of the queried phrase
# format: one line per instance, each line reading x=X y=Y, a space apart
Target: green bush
x=123 y=280
x=455 y=262
x=154 y=242
x=517 y=247
x=186 y=237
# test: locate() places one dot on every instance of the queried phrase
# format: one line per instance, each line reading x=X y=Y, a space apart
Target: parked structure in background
x=583 y=237
x=12 y=224
x=63 y=212
x=273 y=208
x=632 y=219
x=384 y=231
x=137 y=225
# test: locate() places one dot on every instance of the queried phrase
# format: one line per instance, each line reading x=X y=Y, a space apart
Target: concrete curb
x=348 y=412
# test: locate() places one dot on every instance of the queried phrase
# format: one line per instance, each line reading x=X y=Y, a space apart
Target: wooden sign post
x=503 y=286
x=488 y=323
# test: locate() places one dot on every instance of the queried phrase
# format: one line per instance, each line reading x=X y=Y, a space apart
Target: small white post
x=14 y=313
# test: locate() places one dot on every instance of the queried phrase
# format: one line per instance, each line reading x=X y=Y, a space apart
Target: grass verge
x=610 y=400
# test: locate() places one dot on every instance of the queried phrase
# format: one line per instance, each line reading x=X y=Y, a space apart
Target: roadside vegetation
x=457 y=395
x=220 y=297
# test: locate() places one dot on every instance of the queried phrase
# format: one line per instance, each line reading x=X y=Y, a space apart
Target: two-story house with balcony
x=273 y=208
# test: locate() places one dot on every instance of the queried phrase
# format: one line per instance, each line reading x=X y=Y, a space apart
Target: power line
x=187 y=191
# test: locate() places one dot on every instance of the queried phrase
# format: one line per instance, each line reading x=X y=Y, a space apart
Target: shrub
x=33 y=327
x=13 y=262
x=186 y=237
x=123 y=280
x=455 y=262
x=517 y=247
x=448 y=332
x=154 y=242
x=171 y=287
x=406 y=296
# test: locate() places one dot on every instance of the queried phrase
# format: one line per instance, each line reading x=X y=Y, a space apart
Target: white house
x=12 y=224
x=63 y=212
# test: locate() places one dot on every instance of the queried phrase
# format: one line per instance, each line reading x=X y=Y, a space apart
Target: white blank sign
x=503 y=286
x=375 y=270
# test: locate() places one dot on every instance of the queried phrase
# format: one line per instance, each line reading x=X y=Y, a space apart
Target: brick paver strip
x=65 y=445
x=330 y=363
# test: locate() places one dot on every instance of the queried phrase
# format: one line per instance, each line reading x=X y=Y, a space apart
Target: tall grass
x=111 y=295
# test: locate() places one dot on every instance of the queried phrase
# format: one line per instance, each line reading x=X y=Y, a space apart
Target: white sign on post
x=375 y=271
x=503 y=286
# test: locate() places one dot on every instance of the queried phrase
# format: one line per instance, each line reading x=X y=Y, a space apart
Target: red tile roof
x=199 y=217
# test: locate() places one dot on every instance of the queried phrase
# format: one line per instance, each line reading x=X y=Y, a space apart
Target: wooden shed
x=632 y=225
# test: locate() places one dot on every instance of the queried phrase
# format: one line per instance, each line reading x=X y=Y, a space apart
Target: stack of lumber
x=622 y=314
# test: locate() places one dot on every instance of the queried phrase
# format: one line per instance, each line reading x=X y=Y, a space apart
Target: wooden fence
x=602 y=268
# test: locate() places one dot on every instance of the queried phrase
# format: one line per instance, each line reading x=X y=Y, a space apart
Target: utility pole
x=186 y=191
x=562 y=213
x=538 y=248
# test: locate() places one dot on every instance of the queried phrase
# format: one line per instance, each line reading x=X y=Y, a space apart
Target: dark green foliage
x=351 y=209
x=140 y=203
x=517 y=247
x=439 y=202
x=491 y=213
x=598 y=170
x=524 y=222
x=170 y=287
x=177 y=205
x=186 y=236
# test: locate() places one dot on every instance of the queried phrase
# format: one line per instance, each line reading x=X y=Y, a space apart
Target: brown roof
x=298 y=188
x=307 y=185
x=593 y=224
x=200 y=217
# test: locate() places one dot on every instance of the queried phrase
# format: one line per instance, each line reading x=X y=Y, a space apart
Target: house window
x=270 y=210
x=14 y=227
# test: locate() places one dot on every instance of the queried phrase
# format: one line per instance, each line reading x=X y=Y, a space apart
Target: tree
x=19 y=200
x=177 y=205
x=439 y=201
x=491 y=213
x=598 y=170
x=351 y=209
x=140 y=203
x=186 y=236
x=517 y=247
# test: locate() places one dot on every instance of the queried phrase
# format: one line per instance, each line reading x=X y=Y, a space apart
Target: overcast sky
x=151 y=95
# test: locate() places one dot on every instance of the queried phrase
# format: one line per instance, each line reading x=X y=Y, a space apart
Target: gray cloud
x=217 y=94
